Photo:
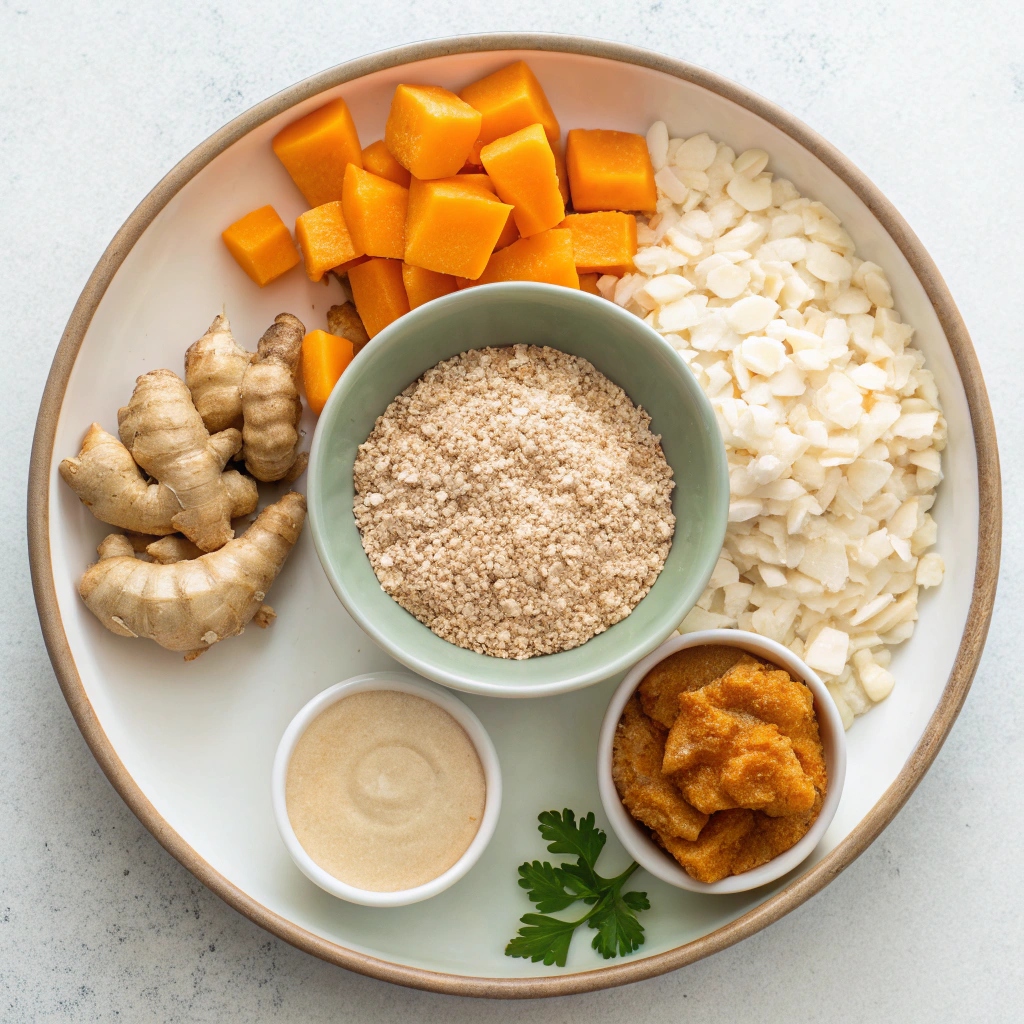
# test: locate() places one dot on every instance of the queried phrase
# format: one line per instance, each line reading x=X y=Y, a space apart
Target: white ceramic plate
x=190 y=746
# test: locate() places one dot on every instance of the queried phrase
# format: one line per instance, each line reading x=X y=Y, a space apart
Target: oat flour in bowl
x=515 y=501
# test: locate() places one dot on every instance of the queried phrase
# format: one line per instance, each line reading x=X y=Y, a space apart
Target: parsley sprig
x=612 y=912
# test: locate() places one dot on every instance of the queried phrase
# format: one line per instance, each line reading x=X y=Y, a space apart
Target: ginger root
x=177 y=576
x=168 y=550
x=166 y=436
x=344 y=322
x=189 y=605
x=214 y=367
x=270 y=403
x=255 y=392
x=110 y=484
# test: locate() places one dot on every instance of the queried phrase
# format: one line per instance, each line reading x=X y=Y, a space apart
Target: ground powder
x=515 y=501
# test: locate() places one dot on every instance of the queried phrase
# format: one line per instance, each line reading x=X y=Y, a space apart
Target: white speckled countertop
x=97 y=101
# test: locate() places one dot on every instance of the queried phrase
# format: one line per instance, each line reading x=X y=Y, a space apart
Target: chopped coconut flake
x=832 y=424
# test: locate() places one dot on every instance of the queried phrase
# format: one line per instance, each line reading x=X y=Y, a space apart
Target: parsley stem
x=619 y=880
x=614 y=885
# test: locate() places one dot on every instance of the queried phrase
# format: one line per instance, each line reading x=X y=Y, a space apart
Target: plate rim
x=881 y=814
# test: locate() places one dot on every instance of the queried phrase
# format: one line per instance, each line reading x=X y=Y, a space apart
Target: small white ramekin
x=636 y=839
x=403 y=682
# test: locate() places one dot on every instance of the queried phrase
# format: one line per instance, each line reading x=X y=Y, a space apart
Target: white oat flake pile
x=515 y=501
x=831 y=421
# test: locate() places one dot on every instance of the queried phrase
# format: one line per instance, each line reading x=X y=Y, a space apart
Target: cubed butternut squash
x=522 y=168
x=509 y=234
x=545 y=257
x=375 y=211
x=324 y=359
x=344 y=268
x=262 y=245
x=452 y=227
x=563 y=179
x=473 y=160
x=588 y=283
x=430 y=131
x=509 y=99
x=609 y=171
x=422 y=285
x=476 y=178
x=377 y=159
x=379 y=293
x=604 y=243
x=317 y=148
x=324 y=239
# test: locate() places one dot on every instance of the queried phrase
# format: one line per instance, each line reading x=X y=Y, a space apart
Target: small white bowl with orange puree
x=721 y=761
x=386 y=789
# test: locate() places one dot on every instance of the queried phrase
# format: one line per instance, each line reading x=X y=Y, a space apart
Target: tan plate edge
x=959 y=682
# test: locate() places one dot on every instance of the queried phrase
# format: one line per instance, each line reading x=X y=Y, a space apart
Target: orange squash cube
x=430 y=131
x=604 y=243
x=477 y=181
x=375 y=210
x=609 y=171
x=546 y=257
x=522 y=167
x=588 y=283
x=261 y=244
x=324 y=359
x=423 y=285
x=452 y=227
x=509 y=234
x=316 y=149
x=563 y=178
x=379 y=293
x=509 y=99
x=324 y=239
x=474 y=178
x=473 y=160
x=344 y=268
x=377 y=159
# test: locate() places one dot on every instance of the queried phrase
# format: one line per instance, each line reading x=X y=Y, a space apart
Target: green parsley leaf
x=563 y=835
x=636 y=900
x=612 y=913
x=546 y=886
x=584 y=881
x=618 y=930
x=543 y=938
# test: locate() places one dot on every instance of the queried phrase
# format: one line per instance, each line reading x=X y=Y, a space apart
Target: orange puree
x=718 y=754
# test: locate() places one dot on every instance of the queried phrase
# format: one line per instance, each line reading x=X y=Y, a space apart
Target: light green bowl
x=623 y=348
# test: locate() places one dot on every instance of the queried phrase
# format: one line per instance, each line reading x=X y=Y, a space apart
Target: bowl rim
x=635 y=839
x=403 y=682
x=436 y=670
x=42 y=477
